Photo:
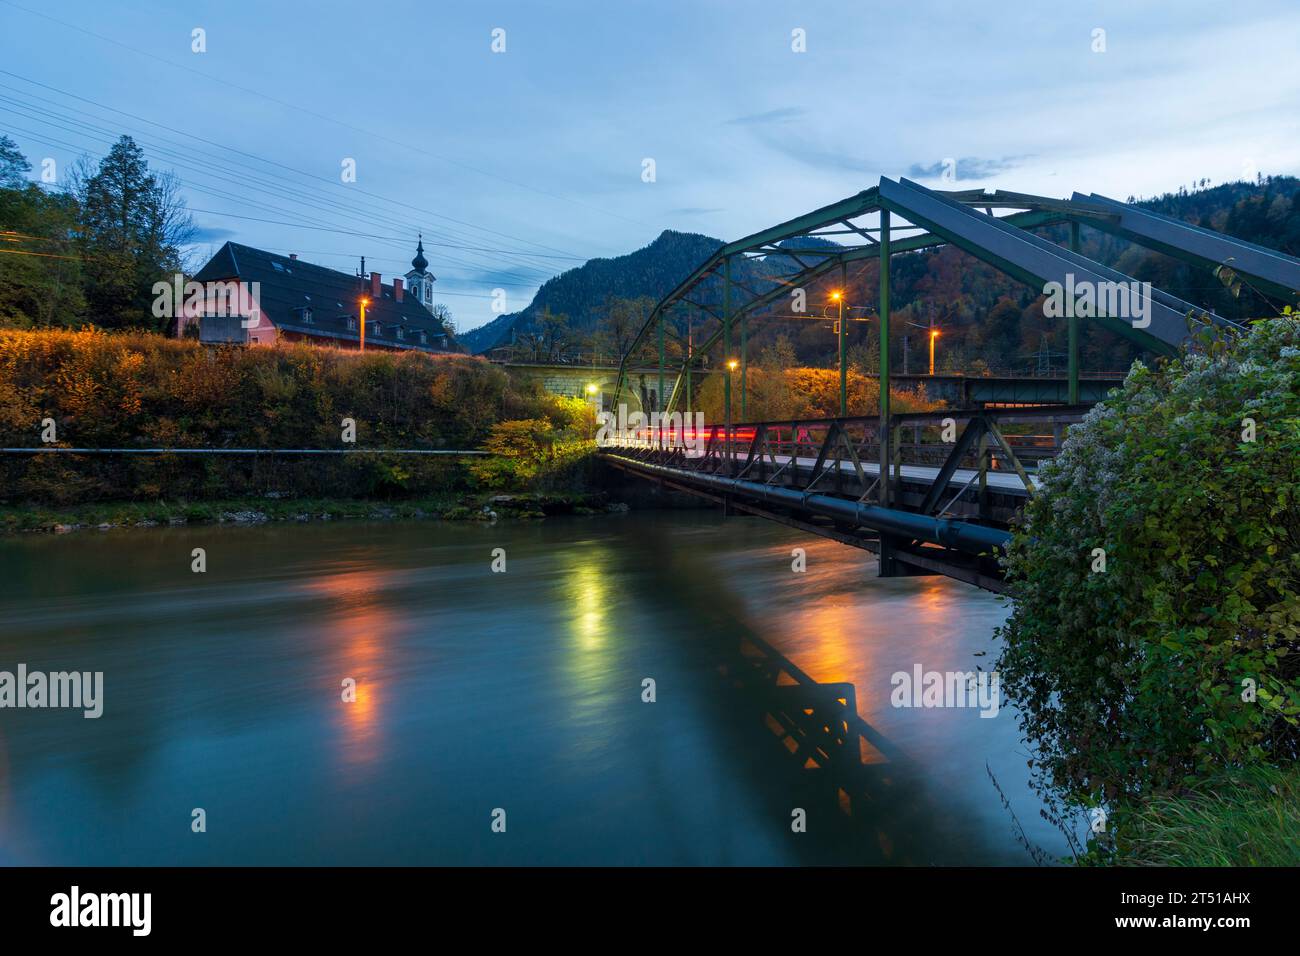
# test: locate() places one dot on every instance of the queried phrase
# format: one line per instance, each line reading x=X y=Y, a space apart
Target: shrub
x=142 y=390
x=1136 y=681
x=541 y=453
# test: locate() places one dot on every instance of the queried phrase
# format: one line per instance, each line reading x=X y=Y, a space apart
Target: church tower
x=420 y=280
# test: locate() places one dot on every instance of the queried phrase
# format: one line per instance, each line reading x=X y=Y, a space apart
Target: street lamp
x=844 y=364
x=364 y=302
x=731 y=367
x=934 y=334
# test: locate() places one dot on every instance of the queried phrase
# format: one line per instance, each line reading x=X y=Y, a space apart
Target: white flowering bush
x=1182 y=655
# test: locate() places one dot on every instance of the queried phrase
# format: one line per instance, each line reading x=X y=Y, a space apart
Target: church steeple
x=419 y=280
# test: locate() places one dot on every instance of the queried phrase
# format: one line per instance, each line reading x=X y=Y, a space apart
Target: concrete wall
x=639 y=393
x=572 y=381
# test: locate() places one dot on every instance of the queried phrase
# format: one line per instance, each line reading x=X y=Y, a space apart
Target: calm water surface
x=477 y=691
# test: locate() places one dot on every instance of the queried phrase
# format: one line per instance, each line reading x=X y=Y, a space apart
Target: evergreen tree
x=13 y=165
x=133 y=227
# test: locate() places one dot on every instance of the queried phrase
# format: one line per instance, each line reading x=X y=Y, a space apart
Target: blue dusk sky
x=517 y=165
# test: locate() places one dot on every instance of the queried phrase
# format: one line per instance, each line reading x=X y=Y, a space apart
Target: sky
x=519 y=162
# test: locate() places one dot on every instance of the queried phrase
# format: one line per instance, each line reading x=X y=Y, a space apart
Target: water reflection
x=477 y=690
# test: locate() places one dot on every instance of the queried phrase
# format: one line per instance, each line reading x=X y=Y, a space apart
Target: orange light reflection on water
x=357 y=627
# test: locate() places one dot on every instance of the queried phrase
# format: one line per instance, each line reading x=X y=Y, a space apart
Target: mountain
x=580 y=293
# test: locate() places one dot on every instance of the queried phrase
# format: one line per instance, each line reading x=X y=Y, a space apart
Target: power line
x=298 y=225
x=176 y=65
x=42 y=255
x=224 y=195
x=242 y=180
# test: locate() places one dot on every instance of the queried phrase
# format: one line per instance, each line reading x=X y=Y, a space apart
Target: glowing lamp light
x=732 y=364
x=592 y=388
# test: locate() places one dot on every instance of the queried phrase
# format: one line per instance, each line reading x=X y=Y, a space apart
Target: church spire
x=419 y=262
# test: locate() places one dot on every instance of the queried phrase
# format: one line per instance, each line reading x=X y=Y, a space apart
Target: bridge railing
x=928 y=450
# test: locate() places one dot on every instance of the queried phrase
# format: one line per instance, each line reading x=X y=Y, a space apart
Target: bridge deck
x=1004 y=481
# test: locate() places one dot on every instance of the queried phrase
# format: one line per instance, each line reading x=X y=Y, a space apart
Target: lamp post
x=934 y=334
x=593 y=395
x=844 y=365
x=364 y=302
x=731 y=367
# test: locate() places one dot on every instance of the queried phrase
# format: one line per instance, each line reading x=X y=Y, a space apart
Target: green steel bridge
x=930 y=493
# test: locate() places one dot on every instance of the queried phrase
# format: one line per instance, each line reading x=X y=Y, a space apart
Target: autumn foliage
x=137 y=390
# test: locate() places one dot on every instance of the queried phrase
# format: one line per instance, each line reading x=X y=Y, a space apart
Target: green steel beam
x=1074 y=327
x=726 y=352
x=1015 y=271
x=884 y=367
x=659 y=395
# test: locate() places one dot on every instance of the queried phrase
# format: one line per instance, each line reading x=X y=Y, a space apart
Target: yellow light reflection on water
x=588 y=660
x=587 y=594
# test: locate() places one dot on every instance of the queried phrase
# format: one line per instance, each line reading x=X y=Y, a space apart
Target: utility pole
x=364 y=302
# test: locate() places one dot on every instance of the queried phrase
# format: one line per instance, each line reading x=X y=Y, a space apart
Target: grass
x=128 y=514
x=1238 y=818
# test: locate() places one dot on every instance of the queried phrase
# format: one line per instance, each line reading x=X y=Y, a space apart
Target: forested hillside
x=581 y=293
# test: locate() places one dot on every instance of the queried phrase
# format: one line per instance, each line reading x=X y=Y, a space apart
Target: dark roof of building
x=289 y=286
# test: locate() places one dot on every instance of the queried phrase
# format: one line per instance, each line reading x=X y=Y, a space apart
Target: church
x=296 y=301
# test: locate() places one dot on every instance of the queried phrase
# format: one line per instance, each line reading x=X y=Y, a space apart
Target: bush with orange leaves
x=801 y=392
x=122 y=390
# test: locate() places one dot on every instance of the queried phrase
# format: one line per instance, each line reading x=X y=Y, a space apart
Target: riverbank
x=15 y=519
x=1246 y=817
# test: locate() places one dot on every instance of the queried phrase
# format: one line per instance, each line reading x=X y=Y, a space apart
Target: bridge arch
x=860 y=228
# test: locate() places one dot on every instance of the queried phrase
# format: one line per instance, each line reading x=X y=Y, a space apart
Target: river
x=483 y=698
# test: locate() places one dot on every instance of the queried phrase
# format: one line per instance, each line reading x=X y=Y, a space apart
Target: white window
x=352 y=324
x=401 y=332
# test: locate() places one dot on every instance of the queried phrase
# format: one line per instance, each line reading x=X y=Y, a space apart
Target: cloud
x=212 y=234
x=968 y=167
x=786 y=114
x=820 y=157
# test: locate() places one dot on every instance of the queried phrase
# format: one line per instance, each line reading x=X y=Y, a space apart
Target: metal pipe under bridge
x=955 y=479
